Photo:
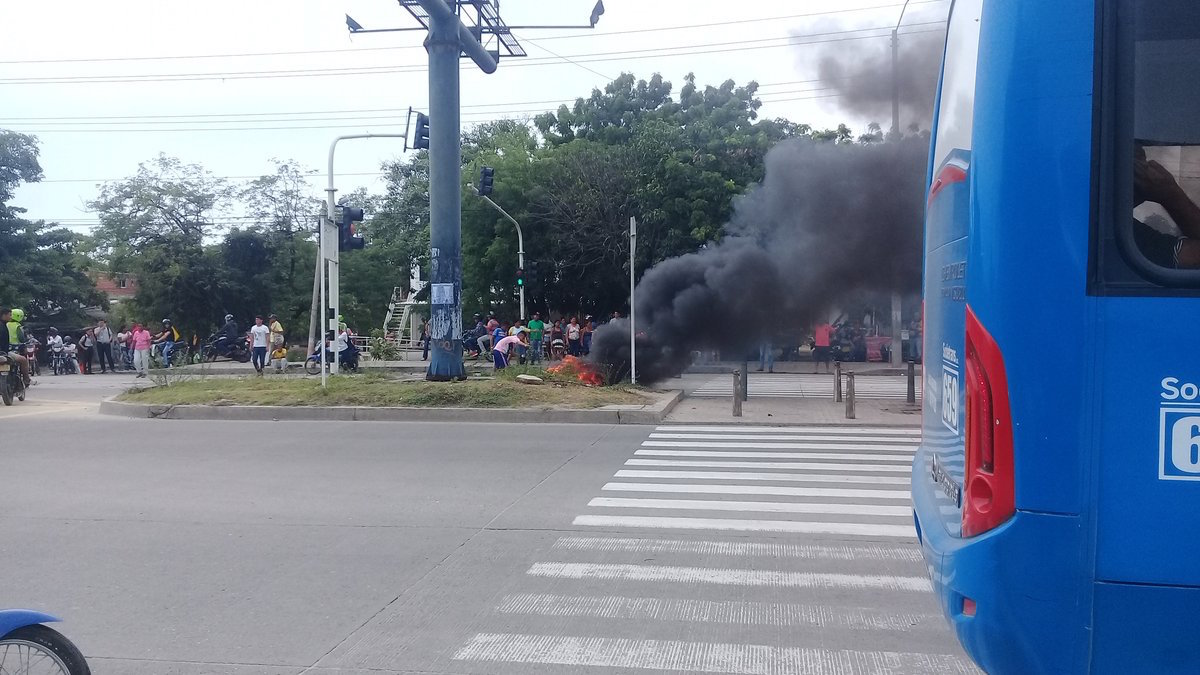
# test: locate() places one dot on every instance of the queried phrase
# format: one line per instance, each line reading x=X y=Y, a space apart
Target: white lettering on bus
x=1173 y=390
x=949 y=355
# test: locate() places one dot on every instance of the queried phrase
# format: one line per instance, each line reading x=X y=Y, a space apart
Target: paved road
x=253 y=548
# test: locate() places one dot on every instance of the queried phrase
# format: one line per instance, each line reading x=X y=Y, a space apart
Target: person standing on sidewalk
x=140 y=340
x=104 y=346
x=276 y=331
x=574 y=337
x=87 y=350
x=260 y=337
x=766 y=356
x=822 y=335
x=426 y=337
x=537 y=330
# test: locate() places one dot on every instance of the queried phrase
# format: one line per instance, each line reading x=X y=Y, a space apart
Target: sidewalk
x=784 y=411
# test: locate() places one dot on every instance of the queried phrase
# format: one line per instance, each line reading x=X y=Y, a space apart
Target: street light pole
x=632 y=311
x=897 y=301
x=520 y=243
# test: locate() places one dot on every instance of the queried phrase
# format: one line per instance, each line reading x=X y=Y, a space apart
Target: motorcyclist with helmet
x=227 y=336
x=11 y=339
x=167 y=338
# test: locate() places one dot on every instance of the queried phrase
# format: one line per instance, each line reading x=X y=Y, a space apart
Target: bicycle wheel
x=312 y=366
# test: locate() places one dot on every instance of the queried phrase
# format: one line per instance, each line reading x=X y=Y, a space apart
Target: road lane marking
x=907 y=459
x=646 y=545
x=808 y=466
x=763 y=476
x=830 y=440
x=757 y=490
x=757 y=507
x=909 y=449
x=732 y=525
x=701 y=657
x=748 y=429
x=736 y=612
x=728 y=577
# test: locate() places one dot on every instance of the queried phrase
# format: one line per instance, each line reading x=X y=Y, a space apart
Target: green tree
x=285 y=213
x=154 y=225
x=45 y=271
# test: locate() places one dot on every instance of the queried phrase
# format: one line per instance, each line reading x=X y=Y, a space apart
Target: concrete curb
x=651 y=414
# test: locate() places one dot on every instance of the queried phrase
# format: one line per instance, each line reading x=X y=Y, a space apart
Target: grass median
x=372 y=390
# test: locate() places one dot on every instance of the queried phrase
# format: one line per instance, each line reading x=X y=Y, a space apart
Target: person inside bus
x=1152 y=182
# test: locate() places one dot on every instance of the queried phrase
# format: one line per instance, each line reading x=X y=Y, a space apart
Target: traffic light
x=531 y=273
x=520 y=277
x=485 y=180
x=347 y=240
x=421 y=137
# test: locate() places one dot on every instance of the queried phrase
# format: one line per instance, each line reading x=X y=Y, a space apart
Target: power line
x=380 y=125
x=598 y=57
x=342 y=115
x=186 y=118
x=403 y=47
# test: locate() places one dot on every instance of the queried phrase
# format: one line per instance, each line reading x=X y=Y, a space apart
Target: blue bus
x=1056 y=492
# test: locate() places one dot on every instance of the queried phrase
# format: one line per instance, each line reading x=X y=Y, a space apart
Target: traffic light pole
x=520 y=244
x=328 y=260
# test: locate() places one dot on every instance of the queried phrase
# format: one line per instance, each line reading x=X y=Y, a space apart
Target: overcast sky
x=66 y=68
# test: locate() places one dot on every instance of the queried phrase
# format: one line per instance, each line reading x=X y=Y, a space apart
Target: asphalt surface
x=251 y=548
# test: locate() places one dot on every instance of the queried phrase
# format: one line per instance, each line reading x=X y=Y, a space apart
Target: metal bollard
x=849 y=395
x=737 y=393
x=837 y=381
x=912 y=382
x=744 y=392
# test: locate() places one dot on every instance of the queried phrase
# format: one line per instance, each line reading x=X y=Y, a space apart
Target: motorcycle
x=29 y=647
x=220 y=345
x=347 y=360
x=12 y=385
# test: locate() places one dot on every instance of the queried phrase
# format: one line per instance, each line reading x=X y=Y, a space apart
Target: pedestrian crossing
x=808 y=385
x=739 y=549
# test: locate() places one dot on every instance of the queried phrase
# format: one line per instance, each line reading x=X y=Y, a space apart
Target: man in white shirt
x=260 y=337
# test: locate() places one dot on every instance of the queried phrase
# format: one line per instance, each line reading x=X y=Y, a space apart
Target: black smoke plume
x=862 y=78
x=828 y=222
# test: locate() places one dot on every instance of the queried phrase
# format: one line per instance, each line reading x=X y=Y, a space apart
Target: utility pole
x=897 y=301
x=448 y=38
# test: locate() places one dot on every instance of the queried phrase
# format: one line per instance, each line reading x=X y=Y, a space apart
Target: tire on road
x=53 y=644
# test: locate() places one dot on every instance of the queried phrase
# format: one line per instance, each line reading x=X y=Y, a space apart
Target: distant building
x=119 y=287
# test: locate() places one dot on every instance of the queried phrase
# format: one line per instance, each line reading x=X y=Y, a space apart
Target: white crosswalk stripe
x=806 y=385
x=820 y=514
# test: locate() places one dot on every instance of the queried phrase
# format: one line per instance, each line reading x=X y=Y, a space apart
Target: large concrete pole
x=445 y=199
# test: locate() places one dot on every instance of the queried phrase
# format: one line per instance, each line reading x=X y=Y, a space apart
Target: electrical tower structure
x=475 y=29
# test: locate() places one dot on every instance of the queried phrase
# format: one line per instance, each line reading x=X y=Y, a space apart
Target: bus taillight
x=989 y=494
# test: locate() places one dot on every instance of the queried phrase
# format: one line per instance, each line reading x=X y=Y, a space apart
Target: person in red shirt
x=821 y=336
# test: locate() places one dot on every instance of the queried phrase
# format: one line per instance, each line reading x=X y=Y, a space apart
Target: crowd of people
x=532 y=340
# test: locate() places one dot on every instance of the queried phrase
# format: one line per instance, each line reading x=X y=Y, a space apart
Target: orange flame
x=582 y=370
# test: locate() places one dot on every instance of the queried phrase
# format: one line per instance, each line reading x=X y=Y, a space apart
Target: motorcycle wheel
x=6 y=392
x=50 y=650
x=312 y=366
x=244 y=357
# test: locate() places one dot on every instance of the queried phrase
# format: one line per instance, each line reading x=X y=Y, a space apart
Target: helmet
x=52 y=331
x=166 y=322
x=18 y=315
x=229 y=317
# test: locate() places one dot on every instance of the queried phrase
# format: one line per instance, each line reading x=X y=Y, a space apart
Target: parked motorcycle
x=12 y=385
x=29 y=647
x=347 y=361
x=219 y=345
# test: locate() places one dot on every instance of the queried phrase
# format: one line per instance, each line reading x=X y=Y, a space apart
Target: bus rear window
x=1155 y=152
